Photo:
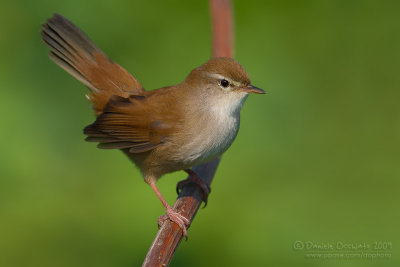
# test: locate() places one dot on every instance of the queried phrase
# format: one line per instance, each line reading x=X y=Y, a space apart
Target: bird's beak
x=252 y=89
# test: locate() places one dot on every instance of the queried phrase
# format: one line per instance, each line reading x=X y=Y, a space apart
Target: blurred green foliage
x=317 y=159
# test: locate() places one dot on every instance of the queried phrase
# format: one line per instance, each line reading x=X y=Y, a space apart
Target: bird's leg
x=195 y=179
x=174 y=216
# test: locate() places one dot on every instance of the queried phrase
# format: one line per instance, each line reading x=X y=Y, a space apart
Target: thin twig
x=222 y=28
x=189 y=200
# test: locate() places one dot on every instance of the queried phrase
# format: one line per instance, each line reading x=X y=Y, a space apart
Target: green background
x=316 y=159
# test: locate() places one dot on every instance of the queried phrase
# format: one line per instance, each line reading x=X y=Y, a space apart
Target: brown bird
x=165 y=130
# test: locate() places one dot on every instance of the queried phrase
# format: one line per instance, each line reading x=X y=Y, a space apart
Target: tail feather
x=73 y=51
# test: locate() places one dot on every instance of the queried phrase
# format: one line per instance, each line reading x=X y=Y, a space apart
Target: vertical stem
x=189 y=200
x=222 y=28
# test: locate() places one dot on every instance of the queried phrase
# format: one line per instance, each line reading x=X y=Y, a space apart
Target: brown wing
x=73 y=51
x=133 y=123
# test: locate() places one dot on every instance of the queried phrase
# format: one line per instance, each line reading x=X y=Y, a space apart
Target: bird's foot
x=195 y=179
x=177 y=218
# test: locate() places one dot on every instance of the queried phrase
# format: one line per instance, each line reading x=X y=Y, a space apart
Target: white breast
x=216 y=129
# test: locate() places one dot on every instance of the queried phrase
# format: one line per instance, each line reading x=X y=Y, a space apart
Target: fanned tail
x=73 y=51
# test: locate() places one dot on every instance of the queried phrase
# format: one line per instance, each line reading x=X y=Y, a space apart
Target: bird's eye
x=224 y=83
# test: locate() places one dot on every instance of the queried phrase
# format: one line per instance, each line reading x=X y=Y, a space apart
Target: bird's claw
x=177 y=218
x=195 y=179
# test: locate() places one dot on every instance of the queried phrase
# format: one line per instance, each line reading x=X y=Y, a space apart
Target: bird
x=161 y=131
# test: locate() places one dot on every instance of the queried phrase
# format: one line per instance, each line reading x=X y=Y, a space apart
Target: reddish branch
x=189 y=200
x=222 y=28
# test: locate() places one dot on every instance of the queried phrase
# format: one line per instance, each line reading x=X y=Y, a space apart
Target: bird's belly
x=211 y=140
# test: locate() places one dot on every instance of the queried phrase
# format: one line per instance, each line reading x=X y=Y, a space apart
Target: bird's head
x=223 y=75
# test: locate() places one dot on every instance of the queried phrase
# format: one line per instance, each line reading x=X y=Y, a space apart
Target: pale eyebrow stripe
x=218 y=76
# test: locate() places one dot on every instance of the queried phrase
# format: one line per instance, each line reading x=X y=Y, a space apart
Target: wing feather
x=130 y=123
